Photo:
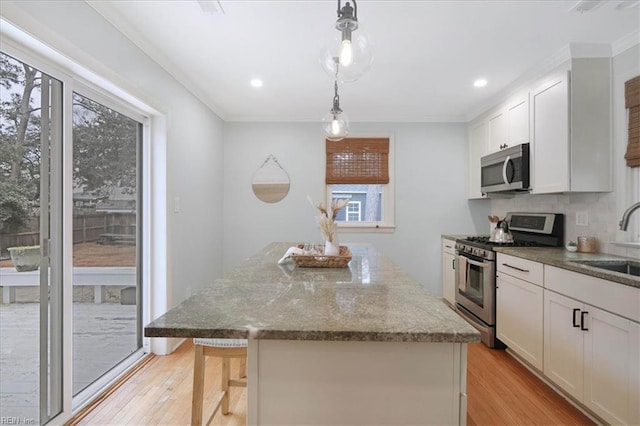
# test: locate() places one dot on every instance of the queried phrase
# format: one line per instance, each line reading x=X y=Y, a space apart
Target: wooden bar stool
x=221 y=348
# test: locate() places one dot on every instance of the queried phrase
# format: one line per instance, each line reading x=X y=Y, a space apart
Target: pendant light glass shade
x=349 y=44
x=335 y=125
x=356 y=56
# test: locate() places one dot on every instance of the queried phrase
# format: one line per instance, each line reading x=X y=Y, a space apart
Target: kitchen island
x=364 y=344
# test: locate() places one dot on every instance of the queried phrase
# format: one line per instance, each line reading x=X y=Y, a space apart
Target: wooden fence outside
x=86 y=228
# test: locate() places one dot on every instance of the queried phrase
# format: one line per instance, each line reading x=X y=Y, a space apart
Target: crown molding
x=308 y=119
x=626 y=42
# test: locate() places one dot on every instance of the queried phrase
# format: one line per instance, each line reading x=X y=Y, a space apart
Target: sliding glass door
x=106 y=249
x=68 y=155
x=30 y=244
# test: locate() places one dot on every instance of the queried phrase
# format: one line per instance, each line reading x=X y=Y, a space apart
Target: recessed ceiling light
x=256 y=82
x=481 y=82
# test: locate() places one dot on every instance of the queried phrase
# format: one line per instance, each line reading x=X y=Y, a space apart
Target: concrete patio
x=103 y=334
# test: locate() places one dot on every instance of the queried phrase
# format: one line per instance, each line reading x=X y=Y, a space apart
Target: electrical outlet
x=582 y=218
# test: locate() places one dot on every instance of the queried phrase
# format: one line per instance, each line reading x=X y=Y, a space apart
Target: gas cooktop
x=527 y=229
x=483 y=240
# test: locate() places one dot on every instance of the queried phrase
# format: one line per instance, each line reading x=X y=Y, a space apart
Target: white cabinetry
x=477 y=147
x=571 y=121
x=449 y=271
x=497 y=130
x=519 y=308
x=517 y=112
x=502 y=127
x=590 y=353
x=509 y=123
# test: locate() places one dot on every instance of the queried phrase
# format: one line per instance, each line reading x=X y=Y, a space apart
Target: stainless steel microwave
x=506 y=170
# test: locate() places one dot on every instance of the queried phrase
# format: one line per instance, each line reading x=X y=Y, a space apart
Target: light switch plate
x=582 y=218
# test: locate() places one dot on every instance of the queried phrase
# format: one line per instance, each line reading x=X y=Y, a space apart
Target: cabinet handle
x=448 y=246
x=576 y=325
x=453 y=264
x=582 y=316
x=515 y=267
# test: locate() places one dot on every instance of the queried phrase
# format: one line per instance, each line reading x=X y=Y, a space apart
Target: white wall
x=604 y=209
x=193 y=132
x=430 y=191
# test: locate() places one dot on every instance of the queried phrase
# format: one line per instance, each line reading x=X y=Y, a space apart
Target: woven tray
x=320 y=261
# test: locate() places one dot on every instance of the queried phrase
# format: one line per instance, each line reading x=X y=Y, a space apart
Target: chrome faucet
x=624 y=223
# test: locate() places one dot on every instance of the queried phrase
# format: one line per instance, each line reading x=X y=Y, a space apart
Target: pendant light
x=335 y=123
x=350 y=44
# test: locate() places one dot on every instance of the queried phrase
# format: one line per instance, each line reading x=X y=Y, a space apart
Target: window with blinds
x=358 y=161
x=358 y=169
x=632 y=103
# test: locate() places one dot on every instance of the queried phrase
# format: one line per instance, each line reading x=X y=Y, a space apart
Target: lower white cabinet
x=449 y=271
x=594 y=356
x=519 y=317
x=563 y=359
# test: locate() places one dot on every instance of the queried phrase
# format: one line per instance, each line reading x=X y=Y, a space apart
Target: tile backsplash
x=600 y=208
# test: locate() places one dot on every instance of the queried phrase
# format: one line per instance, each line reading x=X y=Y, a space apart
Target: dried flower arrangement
x=327 y=216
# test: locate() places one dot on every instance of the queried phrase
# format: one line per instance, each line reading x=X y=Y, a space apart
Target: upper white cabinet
x=517 y=112
x=509 y=123
x=497 y=123
x=566 y=117
x=477 y=147
x=571 y=122
x=551 y=135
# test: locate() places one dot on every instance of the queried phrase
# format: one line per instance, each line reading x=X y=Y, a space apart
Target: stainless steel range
x=476 y=267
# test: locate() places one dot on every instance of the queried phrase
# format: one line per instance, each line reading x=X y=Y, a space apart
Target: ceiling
x=427 y=53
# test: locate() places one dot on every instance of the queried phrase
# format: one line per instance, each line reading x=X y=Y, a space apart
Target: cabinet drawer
x=448 y=246
x=616 y=298
x=524 y=269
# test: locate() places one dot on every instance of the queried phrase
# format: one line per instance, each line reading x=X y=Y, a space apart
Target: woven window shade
x=358 y=161
x=632 y=102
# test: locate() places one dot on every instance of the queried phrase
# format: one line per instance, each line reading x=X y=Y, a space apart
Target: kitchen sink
x=629 y=267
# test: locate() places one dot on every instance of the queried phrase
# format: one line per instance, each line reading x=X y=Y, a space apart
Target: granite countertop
x=454 y=236
x=561 y=258
x=371 y=300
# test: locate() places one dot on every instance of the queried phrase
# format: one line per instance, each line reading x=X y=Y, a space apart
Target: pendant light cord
x=336 y=97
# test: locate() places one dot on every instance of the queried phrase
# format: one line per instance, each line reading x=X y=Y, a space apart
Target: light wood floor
x=500 y=392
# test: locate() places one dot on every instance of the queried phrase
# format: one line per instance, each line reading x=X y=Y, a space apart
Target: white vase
x=331 y=248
